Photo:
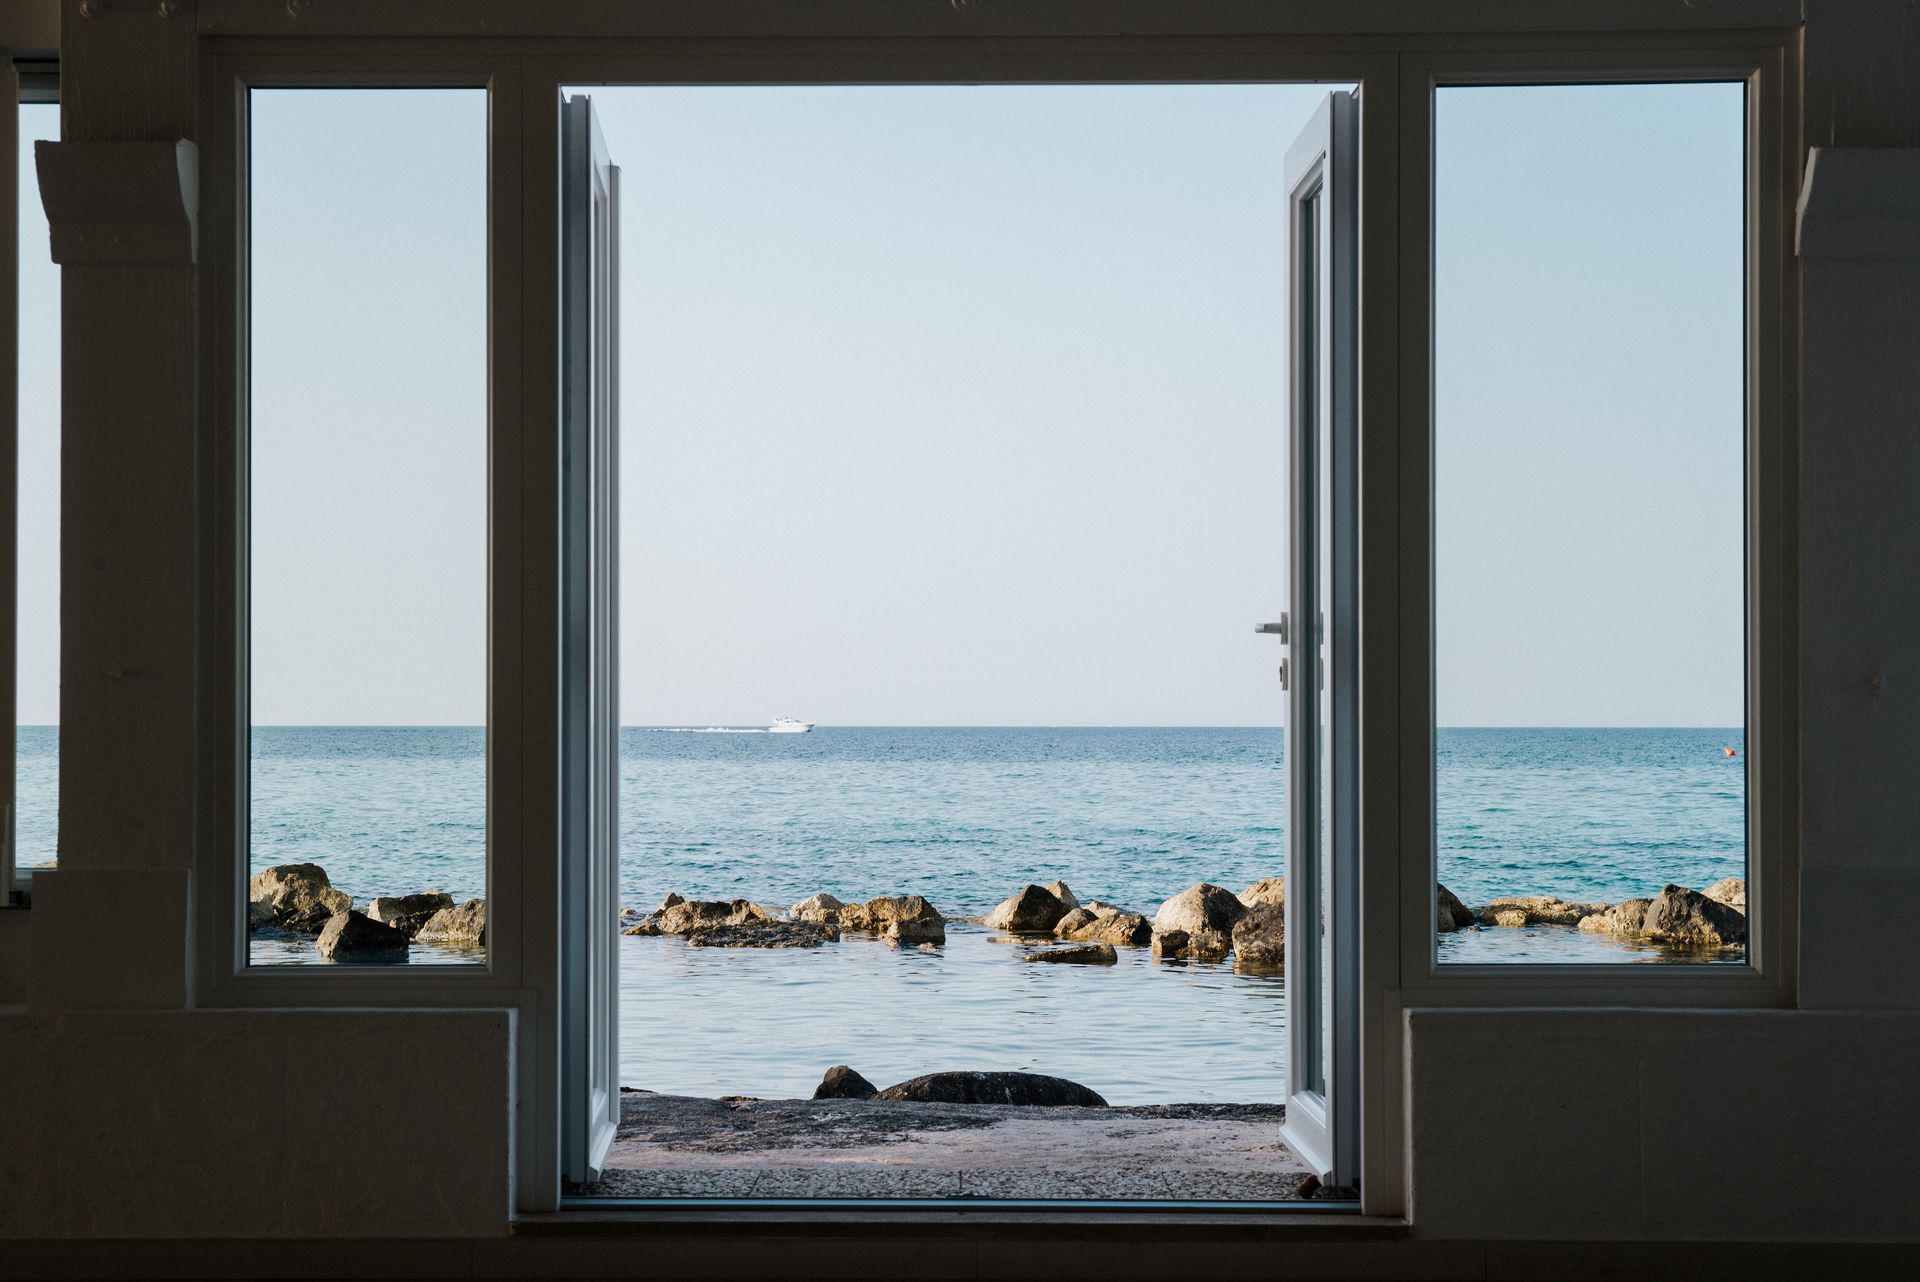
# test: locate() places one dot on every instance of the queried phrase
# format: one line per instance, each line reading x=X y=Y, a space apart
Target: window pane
x=368 y=514
x=36 y=742
x=1589 y=432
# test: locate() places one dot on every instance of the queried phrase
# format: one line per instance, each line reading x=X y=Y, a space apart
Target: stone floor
x=688 y=1147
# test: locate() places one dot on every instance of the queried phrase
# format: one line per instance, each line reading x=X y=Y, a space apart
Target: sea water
x=965 y=816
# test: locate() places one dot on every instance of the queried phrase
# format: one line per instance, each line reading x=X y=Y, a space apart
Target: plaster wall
x=256 y=1124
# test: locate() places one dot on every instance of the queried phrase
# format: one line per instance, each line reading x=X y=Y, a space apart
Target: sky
x=967 y=406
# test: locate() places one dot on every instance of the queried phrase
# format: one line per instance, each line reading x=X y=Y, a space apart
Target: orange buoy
x=1728 y=752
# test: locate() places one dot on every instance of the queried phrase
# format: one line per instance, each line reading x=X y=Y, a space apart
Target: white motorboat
x=788 y=725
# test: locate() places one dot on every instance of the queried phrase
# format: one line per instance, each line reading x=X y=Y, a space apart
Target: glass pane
x=1589 y=432
x=1316 y=780
x=368 y=518
x=36 y=741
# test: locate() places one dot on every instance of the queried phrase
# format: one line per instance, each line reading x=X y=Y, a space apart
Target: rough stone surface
x=355 y=937
x=1624 y=918
x=1198 y=909
x=705 y=914
x=1077 y=954
x=1058 y=889
x=1033 y=910
x=1450 y=913
x=1033 y=1089
x=1268 y=890
x=1731 y=891
x=1687 y=918
x=645 y=926
x=1194 y=945
x=842 y=1082
x=1260 y=937
x=906 y=919
x=462 y=926
x=294 y=897
x=1073 y=921
x=671 y=899
x=1126 y=930
x=409 y=912
x=1536 y=910
x=763 y=934
x=821 y=909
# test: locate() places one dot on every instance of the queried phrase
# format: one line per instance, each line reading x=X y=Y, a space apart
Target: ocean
x=965 y=816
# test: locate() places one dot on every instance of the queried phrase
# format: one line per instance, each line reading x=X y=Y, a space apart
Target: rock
x=355 y=937
x=294 y=896
x=1126 y=929
x=1260 y=937
x=409 y=912
x=842 y=1082
x=1077 y=954
x=696 y=914
x=1268 y=890
x=1073 y=921
x=670 y=901
x=1536 y=910
x=1731 y=891
x=1198 y=945
x=462 y=926
x=1101 y=908
x=906 y=919
x=993 y=1088
x=1058 y=889
x=1450 y=913
x=645 y=926
x=763 y=934
x=1200 y=909
x=1689 y=919
x=821 y=909
x=1624 y=918
x=1034 y=910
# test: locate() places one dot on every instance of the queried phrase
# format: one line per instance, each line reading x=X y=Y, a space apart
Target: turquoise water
x=965 y=816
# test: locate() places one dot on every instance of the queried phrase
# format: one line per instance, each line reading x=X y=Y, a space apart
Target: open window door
x=1322 y=940
x=589 y=694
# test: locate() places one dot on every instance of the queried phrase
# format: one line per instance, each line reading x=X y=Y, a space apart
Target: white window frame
x=524 y=53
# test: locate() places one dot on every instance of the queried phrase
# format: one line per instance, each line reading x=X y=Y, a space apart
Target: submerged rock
x=295 y=897
x=1260 y=938
x=842 y=1082
x=1624 y=918
x=645 y=926
x=1536 y=910
x=763 y=934
x=1731 y=891
x=1449 y=912
x=1268 y=890
x=1077 y=954
x=1200 y=909
x=355 y=937
x=1033 y=910
x=462 y=926
x=1034 y=1089
x=906 y=919
x=1128 y=930
x=1689 y=919
x=409 y=912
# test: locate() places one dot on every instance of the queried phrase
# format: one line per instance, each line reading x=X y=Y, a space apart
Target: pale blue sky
x=966 y=405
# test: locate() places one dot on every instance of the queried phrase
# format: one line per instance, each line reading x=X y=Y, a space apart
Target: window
x=368 y=524
x=1589 y=429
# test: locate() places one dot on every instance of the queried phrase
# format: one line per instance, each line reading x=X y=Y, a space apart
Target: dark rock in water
x=1034 y=910
x=1128 y=930
x=645 y=926
x=762 y=934
x=1689 y=919
x=671 y=899
x=294 y=897
x=356 y=937
x=1198 y=909
x=703 y=914
x=1074 y=920
x=1260 y=937
x=1449 y=912
x=1268 y=890
x=994 y=1088
x=409 y=912
x=1081 y=954
x=1536 y=910
x=906 y=919
x=842 y=1082
x=462 y=926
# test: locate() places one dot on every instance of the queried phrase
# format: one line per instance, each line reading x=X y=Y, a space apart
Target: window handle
x=1275 y=629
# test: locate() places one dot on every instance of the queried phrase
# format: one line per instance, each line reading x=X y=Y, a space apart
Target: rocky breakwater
x=1679 y=918
x=1032 y=1090
x=899 y=920
x=299 y=899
